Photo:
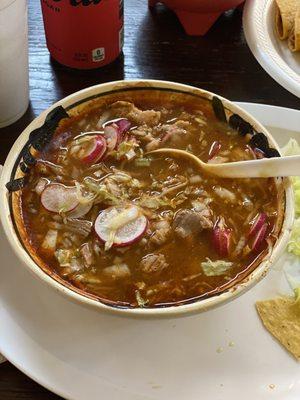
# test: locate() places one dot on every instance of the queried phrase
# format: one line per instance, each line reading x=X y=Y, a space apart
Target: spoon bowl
x=260 y=168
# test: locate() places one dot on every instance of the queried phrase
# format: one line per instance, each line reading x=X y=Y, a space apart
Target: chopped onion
x=117 y=271
x=50 y=240
x=225 y=194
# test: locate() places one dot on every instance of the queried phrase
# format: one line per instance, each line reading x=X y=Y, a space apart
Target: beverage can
x=83 y=34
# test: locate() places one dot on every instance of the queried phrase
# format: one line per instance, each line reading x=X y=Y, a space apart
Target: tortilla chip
x=294 y=38
x=281 y=317
x=285 y=17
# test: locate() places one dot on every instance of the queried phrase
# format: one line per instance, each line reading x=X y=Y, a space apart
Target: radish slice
x=221 y=238
x=257 y=223
x=59 y=198
x=112 y=136
x=260 y=237
x=123 y=125
x=81 y=210
x=214 y=150
x=120 y=226
x=89 y=149
x=114 y=132
x=259 y=153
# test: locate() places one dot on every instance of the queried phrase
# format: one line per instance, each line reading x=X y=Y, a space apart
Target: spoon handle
x=263 y=168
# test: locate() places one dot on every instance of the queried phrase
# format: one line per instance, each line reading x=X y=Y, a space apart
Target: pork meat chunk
x=153 y=263
x=188 y=223
x=128 y=110
x=161 y=234
x=174 y=134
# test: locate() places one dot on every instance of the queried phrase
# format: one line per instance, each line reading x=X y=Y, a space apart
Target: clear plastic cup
x=14 y=92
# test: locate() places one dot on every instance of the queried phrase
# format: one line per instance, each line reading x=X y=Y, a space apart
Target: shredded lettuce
x=297 y=295
x=215 y=268
x=140 y=300
x=153 y=202
x=292 y=148
x=99 y=192
x=125 y=149
x=50 y=240
x=292 y=269
x=294 y=243
x=296 y=186
x=292 y=273
x=142 y=162
x=63 y=256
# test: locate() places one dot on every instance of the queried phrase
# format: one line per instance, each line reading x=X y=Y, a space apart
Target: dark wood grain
x=155 y=47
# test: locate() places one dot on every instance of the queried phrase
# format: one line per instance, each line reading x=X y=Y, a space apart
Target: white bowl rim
x=169 y=311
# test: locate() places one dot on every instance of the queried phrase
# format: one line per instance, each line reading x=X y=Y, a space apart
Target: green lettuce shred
x=292 y=148
x=153 y=202
x=297 y=295
x=63 y=256
x=100 y=192
x=125 y=149
x=292 y=269
x=294 y=243
x=140 y=300
x=215 y=268
x=296 y=186
x=142 y=162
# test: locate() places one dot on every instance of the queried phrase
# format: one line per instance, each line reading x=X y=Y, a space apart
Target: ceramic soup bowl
x=72 y=105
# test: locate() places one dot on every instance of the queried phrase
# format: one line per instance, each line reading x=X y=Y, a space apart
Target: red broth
x=143 y=230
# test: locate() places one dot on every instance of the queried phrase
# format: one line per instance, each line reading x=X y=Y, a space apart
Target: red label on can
x=83 y=33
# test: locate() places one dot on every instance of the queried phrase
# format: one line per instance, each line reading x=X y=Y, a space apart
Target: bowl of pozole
x=89 y=210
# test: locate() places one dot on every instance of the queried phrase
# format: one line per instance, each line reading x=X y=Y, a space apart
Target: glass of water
x=14 y=92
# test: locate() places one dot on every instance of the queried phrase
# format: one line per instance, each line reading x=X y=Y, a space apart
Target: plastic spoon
x=262 y=168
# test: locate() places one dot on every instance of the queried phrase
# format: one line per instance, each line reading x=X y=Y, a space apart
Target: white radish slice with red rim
x=221 y=238
x=120 y=226
x=114 y=132
x=81 y=210
x=59 y=198
x=89 y=149
x=259 y=153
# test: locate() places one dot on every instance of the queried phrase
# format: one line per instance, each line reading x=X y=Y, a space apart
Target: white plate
x=224 y=354
x=272 y=53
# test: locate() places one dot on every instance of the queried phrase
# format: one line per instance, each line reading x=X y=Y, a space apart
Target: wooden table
x=155 y=47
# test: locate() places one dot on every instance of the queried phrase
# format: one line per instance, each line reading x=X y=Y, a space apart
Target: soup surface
x=145 y=230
